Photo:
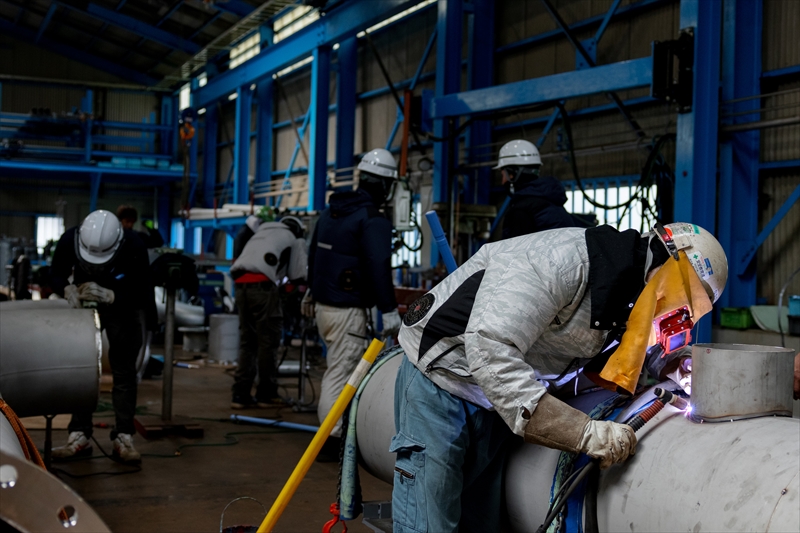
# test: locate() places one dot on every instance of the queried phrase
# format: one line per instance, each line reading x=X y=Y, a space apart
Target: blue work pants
x=450 y=457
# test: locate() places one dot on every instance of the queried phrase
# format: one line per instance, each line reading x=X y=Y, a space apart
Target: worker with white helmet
x=536 y=201
x=349 y=272
x=101 y=265
x=524 y=321
x=271 y=252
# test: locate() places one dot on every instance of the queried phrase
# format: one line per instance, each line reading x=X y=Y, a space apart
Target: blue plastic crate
x=163 y=164
x=134 y=162
x=148 y=161
x=794 y=305
x=176 y=166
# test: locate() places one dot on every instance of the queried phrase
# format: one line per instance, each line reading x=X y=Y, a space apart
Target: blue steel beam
x=739 y=151
x=264 y=134
x=161 y=21
x=753 y=247
x=94 y=190
x=318 y=163
x=605 y=78
x=786 y=72
x=46 y=21
x=66 y=168
x=241 y=162
x=696 y=144
x=346 y=106
x=234 y=7
x=341 y=23
x=78 y=55
x=136 y=26
x=603 y=25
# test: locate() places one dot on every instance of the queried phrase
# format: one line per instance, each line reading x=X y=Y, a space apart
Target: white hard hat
x=99 y=237
x=703 y=250
x=518 y=153
x=380 y=163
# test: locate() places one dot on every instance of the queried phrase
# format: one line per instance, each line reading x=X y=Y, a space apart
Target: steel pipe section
x=50 y=360
x=685 y=476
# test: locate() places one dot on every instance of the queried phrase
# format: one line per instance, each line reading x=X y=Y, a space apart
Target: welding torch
x=663 y=398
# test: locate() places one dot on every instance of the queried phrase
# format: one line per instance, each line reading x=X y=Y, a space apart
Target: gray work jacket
x=513 y=317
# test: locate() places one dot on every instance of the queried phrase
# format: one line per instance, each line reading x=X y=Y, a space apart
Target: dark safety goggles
x=674 y=329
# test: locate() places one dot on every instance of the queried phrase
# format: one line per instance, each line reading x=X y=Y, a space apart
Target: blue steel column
x=163 y=215
x=320 y=95
x=167 y=118
x=480 y=75
x=264 y=138
x=211 y=130
x=87 y=105
x=696 y=147
x=94 y=190
x=448 y=80
x=241 y=162
x=346 y=107
x=739 y=151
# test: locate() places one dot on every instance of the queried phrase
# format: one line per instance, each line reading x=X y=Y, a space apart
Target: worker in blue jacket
x=349 y=273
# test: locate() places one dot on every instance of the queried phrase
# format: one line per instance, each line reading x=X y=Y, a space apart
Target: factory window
x=48 y=228
x=404 y=256
x=294 y=21
x=614 y=191
x=184 y=97
x=246 y=49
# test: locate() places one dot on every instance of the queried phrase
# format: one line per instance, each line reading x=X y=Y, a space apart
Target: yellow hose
x=323 y=432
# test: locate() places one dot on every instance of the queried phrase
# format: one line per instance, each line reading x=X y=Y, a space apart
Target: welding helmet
x=295 y=226
x=98 y=240
x=518 y=153
x=682 y=291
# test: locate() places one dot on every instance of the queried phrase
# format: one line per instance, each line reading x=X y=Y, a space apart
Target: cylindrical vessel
x=735 y=381
x=50 y=361
x=223 y=337
x=195 y=339
x=685 y=476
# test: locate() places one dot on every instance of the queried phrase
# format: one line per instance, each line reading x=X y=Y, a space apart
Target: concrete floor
x=190 y=491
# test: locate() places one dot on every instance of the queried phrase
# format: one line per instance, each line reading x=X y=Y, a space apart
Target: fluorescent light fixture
x=201 y=110
x=400 y=15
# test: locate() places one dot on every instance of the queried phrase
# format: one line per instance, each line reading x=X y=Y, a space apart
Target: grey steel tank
x=685 y=476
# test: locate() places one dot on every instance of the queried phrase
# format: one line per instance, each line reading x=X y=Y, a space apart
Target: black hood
x=616 y=272
x=348 y=202
x=547 y=187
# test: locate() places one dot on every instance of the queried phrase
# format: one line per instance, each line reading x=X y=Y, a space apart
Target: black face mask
x=375 y=187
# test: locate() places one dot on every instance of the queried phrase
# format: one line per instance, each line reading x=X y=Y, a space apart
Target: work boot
x=77 y=446
x=243 y=402
x=124 y=450
x=277 y=401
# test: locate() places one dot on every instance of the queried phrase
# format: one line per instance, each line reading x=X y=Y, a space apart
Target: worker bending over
x=349 y=272
x=270 y=252
x=487 y=349
x=101 y=265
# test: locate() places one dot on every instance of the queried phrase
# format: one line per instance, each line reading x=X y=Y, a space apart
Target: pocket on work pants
x=408 y=493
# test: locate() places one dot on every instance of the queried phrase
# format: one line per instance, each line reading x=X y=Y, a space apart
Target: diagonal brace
x=589 y=61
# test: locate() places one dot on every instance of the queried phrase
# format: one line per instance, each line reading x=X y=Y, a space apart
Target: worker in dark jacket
x=349 y=272
x=104 y=266
x=537 y=202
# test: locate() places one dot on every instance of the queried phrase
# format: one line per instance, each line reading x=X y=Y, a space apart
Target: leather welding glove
x=557 y=425
x=682 y=375
x=391 y=324
x=71 y=293
x=307 y=305
x=91 y=291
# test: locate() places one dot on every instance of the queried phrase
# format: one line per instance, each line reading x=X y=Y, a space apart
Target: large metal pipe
x=50 y=361
x=685 y=476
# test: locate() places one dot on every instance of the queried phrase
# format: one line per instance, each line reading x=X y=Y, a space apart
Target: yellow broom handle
x=319 y=439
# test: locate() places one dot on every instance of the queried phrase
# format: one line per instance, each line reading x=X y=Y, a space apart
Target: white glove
x=608 y=441
x=91 y=291
x=72 y=296
x=307 y=305
x=683 y=375
x=391 y=324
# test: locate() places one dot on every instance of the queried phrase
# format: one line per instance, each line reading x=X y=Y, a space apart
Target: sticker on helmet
x=418 y=309
x=700 y=264
x=682 y=228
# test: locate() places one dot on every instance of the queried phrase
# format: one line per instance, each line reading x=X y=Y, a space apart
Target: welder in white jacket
x=488 y=345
